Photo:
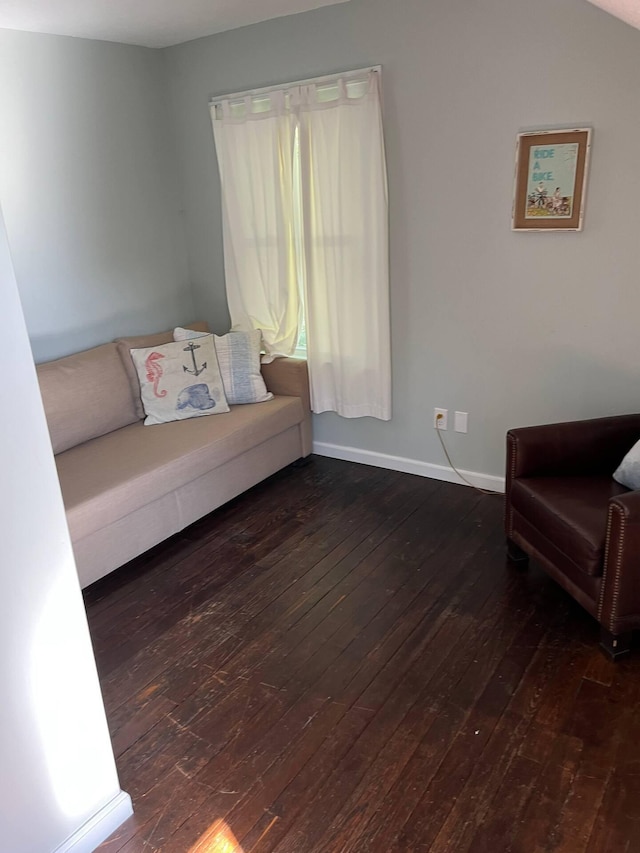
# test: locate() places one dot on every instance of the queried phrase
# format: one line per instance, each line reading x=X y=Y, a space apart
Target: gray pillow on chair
x=628 y=471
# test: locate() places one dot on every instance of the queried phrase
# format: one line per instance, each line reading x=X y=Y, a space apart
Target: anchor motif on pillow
x=196 y=371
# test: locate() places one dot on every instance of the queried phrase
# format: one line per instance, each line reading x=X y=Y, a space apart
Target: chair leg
x=615 y=646
x=515 y=553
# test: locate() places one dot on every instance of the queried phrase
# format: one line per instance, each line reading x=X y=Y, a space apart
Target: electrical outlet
x=440 y=422
x=460 y=421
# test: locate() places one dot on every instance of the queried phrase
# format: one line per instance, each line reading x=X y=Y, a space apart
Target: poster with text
x=552 y=180
x=551 y=171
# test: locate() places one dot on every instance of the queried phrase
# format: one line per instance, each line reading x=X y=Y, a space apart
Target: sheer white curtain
x=254 y=144
x=304 y=195
x=344 y=188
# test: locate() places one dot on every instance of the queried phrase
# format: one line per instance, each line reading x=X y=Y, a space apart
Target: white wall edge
x=409 y=466
x=99 y=827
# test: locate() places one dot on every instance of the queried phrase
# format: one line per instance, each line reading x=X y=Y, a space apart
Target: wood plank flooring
x=342 y=660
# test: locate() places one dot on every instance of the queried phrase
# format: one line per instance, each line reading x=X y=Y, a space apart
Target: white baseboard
x=408 y=466
x=99 y=827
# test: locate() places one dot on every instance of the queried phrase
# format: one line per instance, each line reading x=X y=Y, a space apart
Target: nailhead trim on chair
x=607 y=550
x=618 y=565
x=507 y=504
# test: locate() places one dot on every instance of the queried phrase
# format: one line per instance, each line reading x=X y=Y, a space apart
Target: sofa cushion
x=571 y=512
x=111 y=476
x=179 y=382
x=85 y=396
x=125 y=345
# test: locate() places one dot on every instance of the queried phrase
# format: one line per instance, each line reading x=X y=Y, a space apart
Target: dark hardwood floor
x=343 y=660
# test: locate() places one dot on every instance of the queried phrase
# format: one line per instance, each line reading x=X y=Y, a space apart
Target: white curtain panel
x=254 y=144
x=345 y=206
x=305 y=210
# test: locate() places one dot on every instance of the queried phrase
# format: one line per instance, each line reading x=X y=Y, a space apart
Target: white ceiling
x=151 y=23
x=160 y=23
x=626 y=10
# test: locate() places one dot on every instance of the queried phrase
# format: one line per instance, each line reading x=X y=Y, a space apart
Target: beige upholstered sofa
x=127 y=486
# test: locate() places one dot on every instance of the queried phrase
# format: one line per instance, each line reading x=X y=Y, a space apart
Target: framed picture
x=550 y=180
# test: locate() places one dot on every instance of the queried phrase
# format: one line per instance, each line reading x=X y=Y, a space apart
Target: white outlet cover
x=460 y=421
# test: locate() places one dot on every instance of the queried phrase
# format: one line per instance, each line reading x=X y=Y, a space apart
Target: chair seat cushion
x=571 y=512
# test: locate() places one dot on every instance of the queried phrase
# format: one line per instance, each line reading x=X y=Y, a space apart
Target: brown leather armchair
x=564 y=508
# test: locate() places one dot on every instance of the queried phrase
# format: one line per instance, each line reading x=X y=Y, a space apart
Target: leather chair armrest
x=288 y=377
x=577 y=447
x=619 y=605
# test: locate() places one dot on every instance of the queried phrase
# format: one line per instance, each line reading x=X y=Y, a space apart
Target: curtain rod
x=327 y=78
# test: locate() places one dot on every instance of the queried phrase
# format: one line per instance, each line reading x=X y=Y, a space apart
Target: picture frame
x=550 y=179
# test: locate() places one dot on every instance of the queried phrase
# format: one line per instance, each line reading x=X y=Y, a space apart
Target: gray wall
x=88 y=185
x=512 y=328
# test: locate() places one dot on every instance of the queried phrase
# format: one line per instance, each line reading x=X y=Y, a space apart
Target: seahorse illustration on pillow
x=155 y=371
